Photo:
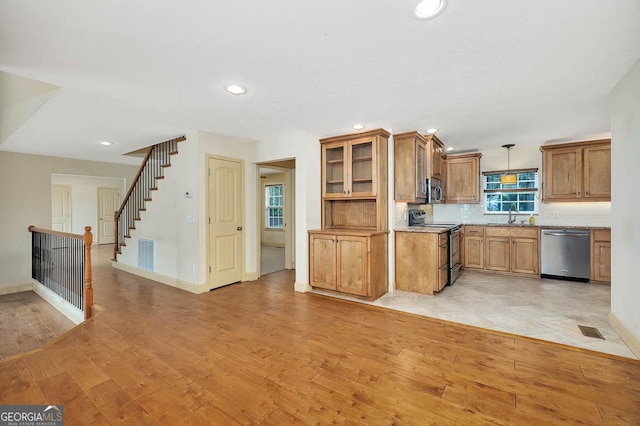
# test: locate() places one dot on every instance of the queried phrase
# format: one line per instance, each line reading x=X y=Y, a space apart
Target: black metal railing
x=62 y=263
x=139 y=192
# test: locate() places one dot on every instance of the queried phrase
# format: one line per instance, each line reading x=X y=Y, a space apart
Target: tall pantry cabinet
x=349 y=253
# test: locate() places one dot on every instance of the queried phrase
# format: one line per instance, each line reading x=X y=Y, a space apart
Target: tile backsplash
x=552 y=214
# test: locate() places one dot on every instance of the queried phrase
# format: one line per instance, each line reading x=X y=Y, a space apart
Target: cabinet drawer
x=476 y=231
x=523 y=232
x=497 y=231
x=443 y=277
x=602 y=235
x=443 y=238
x=443 y=254
x=507 y=231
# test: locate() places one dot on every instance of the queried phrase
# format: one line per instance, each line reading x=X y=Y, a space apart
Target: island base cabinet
x=421 y=261
x=353 y=263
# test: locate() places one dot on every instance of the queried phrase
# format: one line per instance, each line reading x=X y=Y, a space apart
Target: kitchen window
x=274 y=206
x=523 y=194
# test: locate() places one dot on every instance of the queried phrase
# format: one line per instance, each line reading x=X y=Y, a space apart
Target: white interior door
x=61 y=208
x=226 y=194
x=108 y=203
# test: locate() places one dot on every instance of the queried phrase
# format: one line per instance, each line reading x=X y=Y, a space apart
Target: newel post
x=88 y=277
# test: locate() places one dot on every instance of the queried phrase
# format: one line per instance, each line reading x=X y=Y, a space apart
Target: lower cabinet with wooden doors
x=601 y=255
x=421 y=261
x=473 y=247
x=511 y=249
x=349 y=261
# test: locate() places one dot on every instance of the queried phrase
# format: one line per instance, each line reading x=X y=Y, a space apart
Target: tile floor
x=541 y=308
x=271 y=259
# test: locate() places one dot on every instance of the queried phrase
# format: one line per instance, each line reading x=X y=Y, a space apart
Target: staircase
x=151 y=170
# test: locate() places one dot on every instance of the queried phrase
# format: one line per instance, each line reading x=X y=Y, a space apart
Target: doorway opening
x=276 y=219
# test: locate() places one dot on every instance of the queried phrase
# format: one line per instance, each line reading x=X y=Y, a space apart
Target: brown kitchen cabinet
x=473 y=247
x=436 y=158
x=354 y=181
x=511 y=249
x=421 y=261
x=601 y=255
x=462 y=185
x=579 y=171
x=352 y=262
x=416 y=158
x=410 y=167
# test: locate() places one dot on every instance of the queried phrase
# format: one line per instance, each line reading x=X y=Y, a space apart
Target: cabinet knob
x=239 y=228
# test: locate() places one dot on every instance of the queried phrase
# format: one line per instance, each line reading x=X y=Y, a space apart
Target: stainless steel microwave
x=434 y=191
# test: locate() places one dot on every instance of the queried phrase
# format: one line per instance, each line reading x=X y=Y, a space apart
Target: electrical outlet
x=192 y=268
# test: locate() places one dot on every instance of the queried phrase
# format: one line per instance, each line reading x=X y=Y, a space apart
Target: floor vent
x=591 y=332
x=146 y=255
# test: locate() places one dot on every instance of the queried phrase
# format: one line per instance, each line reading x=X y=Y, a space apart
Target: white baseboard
x=251 y=276
x=632 y=341
x=67 y=309
x=16 y=289
x=301 y=287
x=163 y=279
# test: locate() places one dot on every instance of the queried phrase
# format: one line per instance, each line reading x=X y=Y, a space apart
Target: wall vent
x=146 y=255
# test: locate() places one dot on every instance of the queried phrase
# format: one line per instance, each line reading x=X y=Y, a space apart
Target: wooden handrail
x=88 y=273
x=87 y=238
x=62 y=234
x=135 y=180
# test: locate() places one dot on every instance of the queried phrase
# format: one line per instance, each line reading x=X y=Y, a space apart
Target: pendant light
x=508 y=178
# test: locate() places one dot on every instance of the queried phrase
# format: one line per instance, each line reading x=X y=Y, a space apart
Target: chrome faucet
x=513 y=206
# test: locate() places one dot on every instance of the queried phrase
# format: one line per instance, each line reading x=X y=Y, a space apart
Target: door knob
x=239 y=228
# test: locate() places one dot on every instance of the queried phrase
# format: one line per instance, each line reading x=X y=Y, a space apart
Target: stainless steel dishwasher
x=566 y=254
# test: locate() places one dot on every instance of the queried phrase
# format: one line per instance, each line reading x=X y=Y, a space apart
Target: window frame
x=268 y=207
x=529 y=194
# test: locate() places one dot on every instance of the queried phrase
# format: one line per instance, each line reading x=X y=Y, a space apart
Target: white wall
x=84 y=199
x=164 y=221
x=181 y=247
x=521 y=157
x=270 y=237
x=625 y=170
x=25 y=191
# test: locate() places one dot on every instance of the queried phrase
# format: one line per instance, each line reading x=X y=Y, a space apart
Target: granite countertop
x=431 y=228
x=424 y=229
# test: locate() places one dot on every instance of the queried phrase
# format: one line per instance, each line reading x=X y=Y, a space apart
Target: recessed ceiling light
x=236 y=89
x=449 y=148
x=358 y=126
x=429 y=9
x=432 y=131
x=106 y=143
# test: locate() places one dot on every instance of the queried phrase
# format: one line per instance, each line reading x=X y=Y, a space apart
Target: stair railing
x=139 y=192
x=61 y=262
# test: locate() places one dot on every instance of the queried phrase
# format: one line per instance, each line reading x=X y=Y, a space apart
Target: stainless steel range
x=418 y=218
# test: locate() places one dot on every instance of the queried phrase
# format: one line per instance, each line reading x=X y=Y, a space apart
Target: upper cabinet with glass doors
x=350 y=166
x=354 y=181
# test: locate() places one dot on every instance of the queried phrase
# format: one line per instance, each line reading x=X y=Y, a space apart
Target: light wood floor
x=259 y=353
x=28 y=322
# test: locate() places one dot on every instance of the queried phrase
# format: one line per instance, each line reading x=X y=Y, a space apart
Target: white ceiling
x=485 y=72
